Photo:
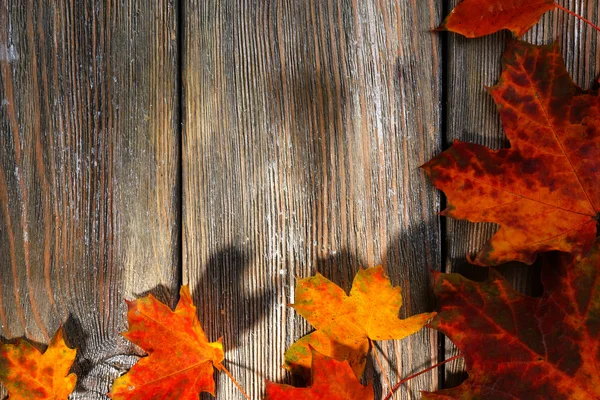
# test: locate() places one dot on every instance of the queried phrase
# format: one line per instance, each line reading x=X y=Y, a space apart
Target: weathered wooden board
x=89 y=159
x=305 y=125
x=471 y=116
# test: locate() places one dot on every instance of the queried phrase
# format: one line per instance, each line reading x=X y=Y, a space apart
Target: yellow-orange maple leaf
x=345 y=324
x=181 y=360
x=30 y=375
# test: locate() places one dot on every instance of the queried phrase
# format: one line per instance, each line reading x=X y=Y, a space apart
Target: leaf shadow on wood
x=38 y=345
x=162 y=293
x=524 y=278
x=76 y=337
x=232 y=311
x=237 y=310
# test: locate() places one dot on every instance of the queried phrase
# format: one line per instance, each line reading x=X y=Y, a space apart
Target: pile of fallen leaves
x=544 y=193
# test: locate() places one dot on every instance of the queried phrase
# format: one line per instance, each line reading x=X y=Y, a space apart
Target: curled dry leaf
x=519 y=347
x=474 y=18
x=331 y=380
x=543 y=191
x=180 y=362
x=31 y=375
x=345 y=324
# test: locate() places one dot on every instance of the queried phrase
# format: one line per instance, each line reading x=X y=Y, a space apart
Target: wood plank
x=472 y=116
x=305 y=124
x=89 y=158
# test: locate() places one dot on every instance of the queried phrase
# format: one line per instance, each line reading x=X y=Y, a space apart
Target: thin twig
x=403 y=381
x=234 y=381
x=577 y=16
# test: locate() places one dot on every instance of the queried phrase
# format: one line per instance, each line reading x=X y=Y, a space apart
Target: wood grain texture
x=472 y=116
x=305 y=125
x=89 y=158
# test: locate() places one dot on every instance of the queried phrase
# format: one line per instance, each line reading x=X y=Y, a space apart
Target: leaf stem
x=234 y=381
x=403 y=381
x=375 y=351
x=577 y=16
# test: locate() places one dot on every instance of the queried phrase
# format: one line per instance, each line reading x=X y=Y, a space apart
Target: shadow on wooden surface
x=225 y=272
x=162 y=293
x=38 y=345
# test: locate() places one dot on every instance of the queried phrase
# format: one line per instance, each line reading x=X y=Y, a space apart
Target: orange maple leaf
x=331 y=380
x=30 y=375
x=474 y=18
x=180 y=362
x=543 y=191
x=346 y=324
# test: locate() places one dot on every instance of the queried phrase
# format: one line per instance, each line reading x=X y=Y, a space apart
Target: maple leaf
x=346 y=324
x=543 y=190
x=520 y=347
x=474 y=18
x=180 y=362
x=331 y=380
x=29 y=375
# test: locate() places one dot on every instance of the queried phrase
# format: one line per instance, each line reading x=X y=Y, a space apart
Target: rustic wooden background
x=234 y=145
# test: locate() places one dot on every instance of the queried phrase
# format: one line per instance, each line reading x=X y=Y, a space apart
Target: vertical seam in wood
x=179 y=33
x=444 y=43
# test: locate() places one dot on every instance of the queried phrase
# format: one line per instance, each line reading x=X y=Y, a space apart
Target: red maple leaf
x=543 y=190
x=181 y=360
x=474 y=18
x=520 y=347
x=332 y=380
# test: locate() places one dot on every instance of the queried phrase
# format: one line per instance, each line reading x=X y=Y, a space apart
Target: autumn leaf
x=29 y=375
x=543 y=190
x=180 y=362
x=331 y=380
x=474 y=18
x=519 y=347
x=346 y=324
